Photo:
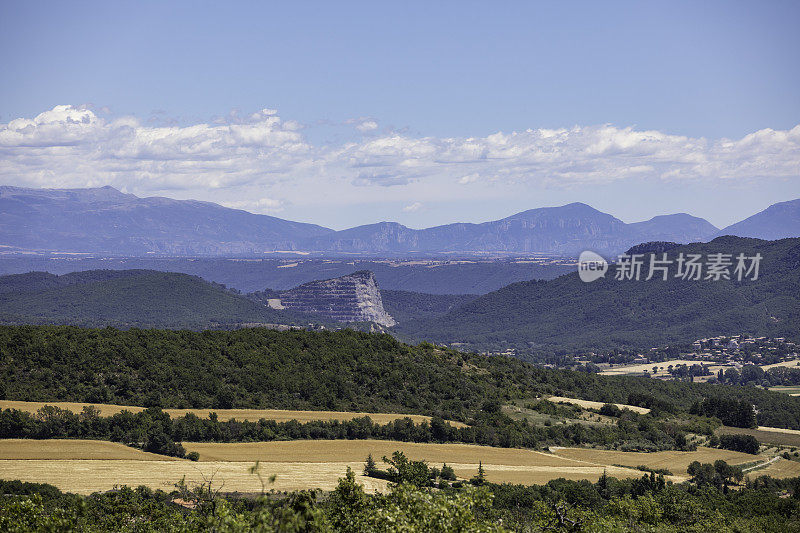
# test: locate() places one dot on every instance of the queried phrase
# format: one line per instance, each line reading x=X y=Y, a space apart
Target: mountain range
x=105 y=220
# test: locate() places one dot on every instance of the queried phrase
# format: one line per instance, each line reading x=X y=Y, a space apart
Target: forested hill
x=405 y=305
x=334 y=370
x=127 y=298
x=607 y=313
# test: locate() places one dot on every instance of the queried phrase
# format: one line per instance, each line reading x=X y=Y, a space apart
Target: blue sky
x=387 y=110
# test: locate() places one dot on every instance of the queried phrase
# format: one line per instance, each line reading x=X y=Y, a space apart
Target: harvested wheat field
x=586 y=404
x=89 y=466
x=62 y=449
x=510 y=465
x=794 y=363
x=253 y=415
x=539 y=474
x=87 y=476
x=765 y=435
x=674 y=461
x=621 y=370
x=357 y=450
x=781 y=468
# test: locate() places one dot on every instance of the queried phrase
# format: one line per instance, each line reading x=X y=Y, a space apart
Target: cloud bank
x=263 y=163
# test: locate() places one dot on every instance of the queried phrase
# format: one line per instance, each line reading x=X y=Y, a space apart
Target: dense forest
x=130 y=298
x=341 y=370
x=567 y=313
x=405 y=306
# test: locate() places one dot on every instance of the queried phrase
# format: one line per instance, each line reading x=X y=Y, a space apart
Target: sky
x=425 y=113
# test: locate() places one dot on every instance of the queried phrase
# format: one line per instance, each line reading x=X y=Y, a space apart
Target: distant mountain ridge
x=778 y=221
x=565 y=230
x=105 y=220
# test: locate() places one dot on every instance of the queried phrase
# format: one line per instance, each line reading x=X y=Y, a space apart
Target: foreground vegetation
x=411 y=504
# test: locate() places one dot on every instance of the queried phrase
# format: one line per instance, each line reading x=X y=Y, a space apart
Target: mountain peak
x=777 y=221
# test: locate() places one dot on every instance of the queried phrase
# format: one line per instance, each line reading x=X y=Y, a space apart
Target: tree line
x=155 y=431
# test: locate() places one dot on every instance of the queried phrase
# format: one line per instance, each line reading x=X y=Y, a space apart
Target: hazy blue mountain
x=105 y=220
x=565 y=230
x=109 y=221
x=679 y=227
x=778 y=221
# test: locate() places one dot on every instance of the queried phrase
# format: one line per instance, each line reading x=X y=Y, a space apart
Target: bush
x=447 y=473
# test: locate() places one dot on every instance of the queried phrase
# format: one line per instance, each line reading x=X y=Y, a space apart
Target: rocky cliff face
x=351 y=298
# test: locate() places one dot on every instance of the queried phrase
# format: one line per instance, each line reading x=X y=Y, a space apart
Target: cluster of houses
x=744 y=349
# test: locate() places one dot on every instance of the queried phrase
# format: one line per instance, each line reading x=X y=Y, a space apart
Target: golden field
x=781 y=468
x=357 y=450
x=766 y=435
x=65 y=449
x=252 y=415
x=586 y=404
x=87 y=466
x=675 y=461
x=511 y=465
x=621 y=370
x=794 y=363
x=87 y=476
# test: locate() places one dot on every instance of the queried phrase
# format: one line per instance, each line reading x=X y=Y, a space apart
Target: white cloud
x=261 y=205
x=261 y=162
x=367 y=125
x=363 y=124
x=416 y=206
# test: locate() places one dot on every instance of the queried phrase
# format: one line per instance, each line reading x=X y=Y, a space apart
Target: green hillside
x=132 y=298
x=333 y=370
x=405 y=305
x=568 y=313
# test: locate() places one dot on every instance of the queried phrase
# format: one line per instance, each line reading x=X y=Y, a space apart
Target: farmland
x=509 y=465
x=88 y=466
x=713 y=367
x=223 y=415
x=84 y=466
x=674 y=461
x=791 y=390
x=67 y=449
x=621 y=370
x=88 y=476
x=794 y=363
x=586 y=404
x=765 y=435
x=781 y=468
